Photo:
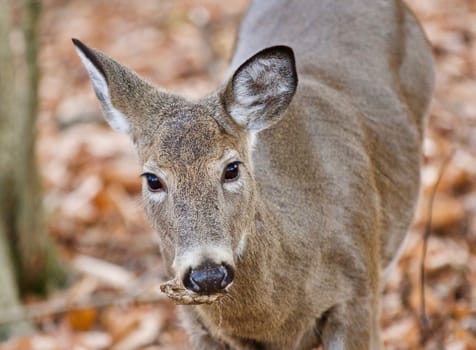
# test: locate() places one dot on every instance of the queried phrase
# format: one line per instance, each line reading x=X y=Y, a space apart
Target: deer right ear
x=121 y=91
x=262 y=88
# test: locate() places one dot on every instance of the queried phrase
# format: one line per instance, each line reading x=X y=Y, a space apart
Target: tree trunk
x=9 y=298
x=27 y=257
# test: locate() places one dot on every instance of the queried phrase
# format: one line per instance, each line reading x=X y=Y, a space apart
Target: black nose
x=209 y=278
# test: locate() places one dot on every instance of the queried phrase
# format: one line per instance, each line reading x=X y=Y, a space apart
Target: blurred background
x=75 y=248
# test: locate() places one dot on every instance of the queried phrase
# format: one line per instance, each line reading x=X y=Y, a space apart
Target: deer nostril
x=209 y=278
x=229 y=276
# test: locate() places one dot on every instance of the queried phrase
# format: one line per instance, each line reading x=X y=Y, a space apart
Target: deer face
x=198 y=183
x=198 y=192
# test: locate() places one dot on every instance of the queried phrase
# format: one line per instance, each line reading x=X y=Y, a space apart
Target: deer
x=281 y=199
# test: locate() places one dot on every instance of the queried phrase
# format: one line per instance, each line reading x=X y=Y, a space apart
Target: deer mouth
x=176 y=291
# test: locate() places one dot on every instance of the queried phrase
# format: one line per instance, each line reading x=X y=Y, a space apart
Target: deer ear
x=262 y=88
x=121 y=91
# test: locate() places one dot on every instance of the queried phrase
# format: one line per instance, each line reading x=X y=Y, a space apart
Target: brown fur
x=329 y=190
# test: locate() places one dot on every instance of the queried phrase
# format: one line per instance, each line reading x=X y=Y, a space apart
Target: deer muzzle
x=205 y=270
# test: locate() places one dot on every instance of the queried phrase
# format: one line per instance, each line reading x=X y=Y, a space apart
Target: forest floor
x=92 y=184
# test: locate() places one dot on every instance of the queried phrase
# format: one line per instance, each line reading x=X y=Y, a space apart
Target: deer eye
x=153 y=182
x=232 y=172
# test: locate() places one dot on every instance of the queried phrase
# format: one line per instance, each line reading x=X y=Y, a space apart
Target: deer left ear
x=125 y=97
x=262 y=88
x=94 y=64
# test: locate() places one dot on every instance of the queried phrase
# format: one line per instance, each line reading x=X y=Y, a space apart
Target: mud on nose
x=209 y=278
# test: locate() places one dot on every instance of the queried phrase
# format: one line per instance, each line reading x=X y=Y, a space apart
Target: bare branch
x=426 y=329
x=40 y=310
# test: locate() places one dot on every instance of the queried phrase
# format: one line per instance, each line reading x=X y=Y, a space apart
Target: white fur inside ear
x=114 y=117
x=247 y=103
x=244 y=107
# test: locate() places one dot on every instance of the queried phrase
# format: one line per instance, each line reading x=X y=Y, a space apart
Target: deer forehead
x=187 y=140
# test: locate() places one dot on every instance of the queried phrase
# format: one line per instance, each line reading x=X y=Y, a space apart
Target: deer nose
x=209 y=278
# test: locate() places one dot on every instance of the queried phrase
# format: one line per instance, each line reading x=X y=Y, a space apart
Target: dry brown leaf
x=125 y=174
x=145 y=333
x=119 y=323
x=446 y=211
x=82 y=320
x=111 y=274
x=403 y=332
x=95 y=340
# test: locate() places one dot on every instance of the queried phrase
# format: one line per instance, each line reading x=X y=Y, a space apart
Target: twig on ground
x=426 y=330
